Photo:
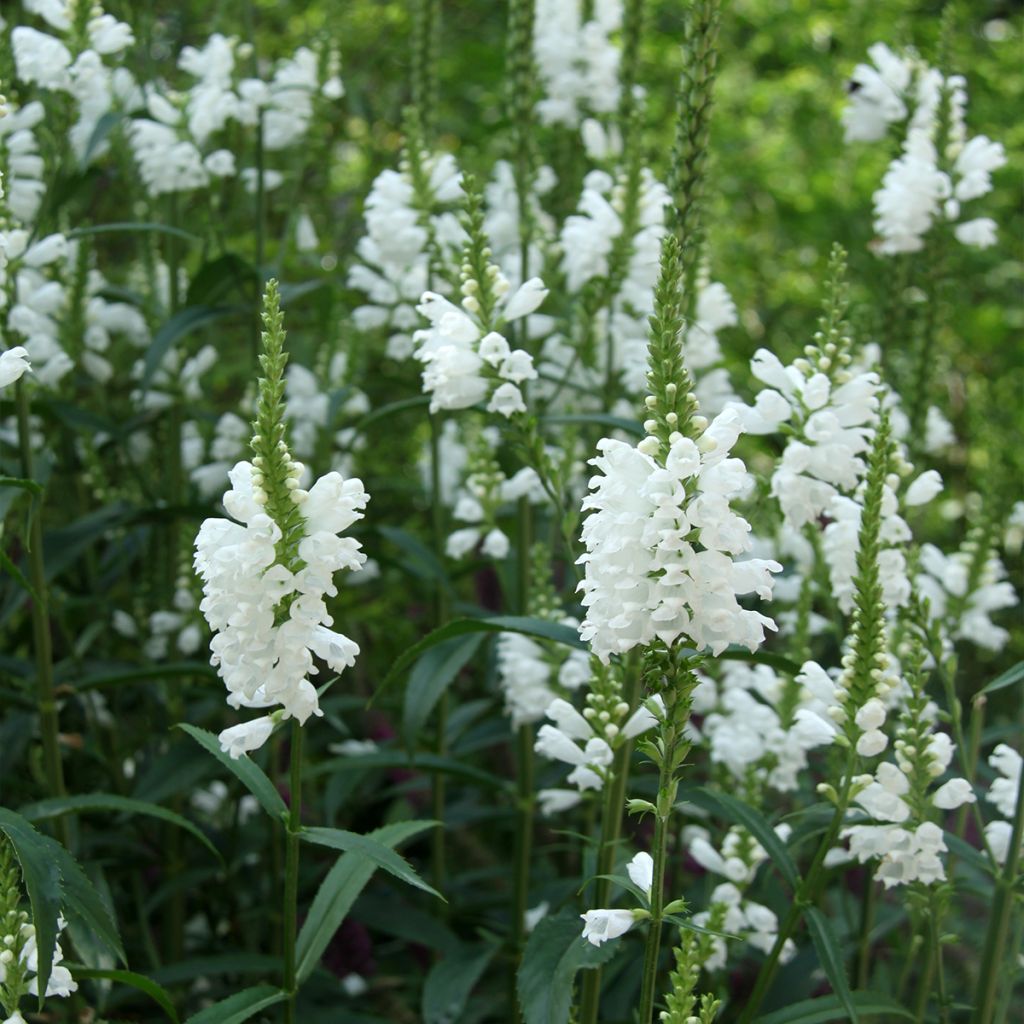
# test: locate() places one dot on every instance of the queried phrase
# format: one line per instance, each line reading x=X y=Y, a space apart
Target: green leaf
x=419 y=559
x=245 y=769
x=20 y=482
x=1008 y=678
x=39 y=857
x=239 y=1007
x=103 y=127
x=543 y=629
x=338 y=891
x=182 y=323
x=451 y=981
x=156 y=992
x=56 y=806
x=219 y=277
x=753 y=821
x=554 y=953
x=391 y=408
x=430 y=677
x=383 y=856
x=84 y=907
x=18 y=576
x=422 y=763
x=210 y=966
x=828 y=1008
x=131 y=227
x=599 y=419
x=830 y=956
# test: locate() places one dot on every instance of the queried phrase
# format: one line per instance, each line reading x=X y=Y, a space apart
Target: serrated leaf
x=156 y=992
x=429 y=679
x=239 y=1007
x=753 y=821
x=338 y=891
x=84 y=906
x=43 y=810
x=829 y=1008
x=450 y=982
x=830 y=956
x=543 y=629
x=555 y=952
x=245 y=769
x=383 y=856
x=39 y=857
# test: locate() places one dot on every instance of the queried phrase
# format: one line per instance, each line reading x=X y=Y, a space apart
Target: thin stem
x=867 y=920
x=803 y=897
x=999 y=923
x=291 y=869
x=42 y=640
x=666 y=797
x=437 y=784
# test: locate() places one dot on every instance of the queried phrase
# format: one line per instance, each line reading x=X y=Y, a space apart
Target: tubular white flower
x=601 y=925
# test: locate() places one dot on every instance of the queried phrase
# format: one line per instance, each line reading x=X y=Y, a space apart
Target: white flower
x=953 y=794
x=876 y=96
x=13 y=364
x=924 y=488
x=601 y=925
x=246 y=736
x=641 y=872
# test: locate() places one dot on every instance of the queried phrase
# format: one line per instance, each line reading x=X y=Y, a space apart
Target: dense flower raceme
x=269 y=619
x=923 y=185
x=464 y=365
x=402 y=223
x=577 y=60
x=1003 y=794
x=644 y=577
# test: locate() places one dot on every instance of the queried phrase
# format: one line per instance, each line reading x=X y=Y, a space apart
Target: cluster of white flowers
x=502 y=222
x=463 y=364
x=945 y=581
x=19 y=935
x=660 y=546
x=401 y=225
x=745 y=724
x=831 y=412
x=588 y=742
x=907 y=844
x=180 y=625
x=729 y=910
x=922 y=185
x=577 y=61
x=22 y=166
x=269 y=619
x=1003 y=793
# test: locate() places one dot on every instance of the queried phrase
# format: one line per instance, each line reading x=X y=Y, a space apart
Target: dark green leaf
x=18 y=576
x=103 y=127
x=430 y=763
x=419 y=559
x=1008 y=678
x=84 y=906
x=383 y=856
x=599 y=419
x=156 y=992
x=239 y=1007
x=391 y=408
x=430 y=677
x=131 y=227
x=555 y=952
x=182 y=323
x=172 y=670
x=39 y=857
x=25 y=485
x=56 y=806
x=450 y=982
x=829 y=1008
x=543 y=629
x=215 y=966
x=245 y=769
x=830 y=956
x=753 y=821
x=214 y=281
x=338 y=891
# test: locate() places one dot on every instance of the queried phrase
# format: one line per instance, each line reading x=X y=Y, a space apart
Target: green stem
x=291 y=870
x=652 y=949
x=999 y=923
x=803 y=897
x=867 y=920
x=46 y=700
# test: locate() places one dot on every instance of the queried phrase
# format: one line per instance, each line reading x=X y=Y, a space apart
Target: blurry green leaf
x=420 y=763
x=131 y=227
x=85 y=802
x=753 y=821
x=103 y=127
x=156 y=992
x=25 y=485
x=543 y=629
x=429 y=679
x=1008 y=678
x=39 y=857
x=84 y=906
x=239 y=1007
x=450 y=982
x=599 y=419
x=17 y=575
x=337 y=893
x=245 y=769
x=419 y=559
x=383 y=856
x=830 y=956
x=385 y=411
x=829 y=1008
x=178 y=326
x=171 y=670
x=214 y=281
x=555 y=952
x=215 y=966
